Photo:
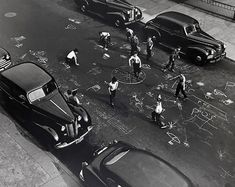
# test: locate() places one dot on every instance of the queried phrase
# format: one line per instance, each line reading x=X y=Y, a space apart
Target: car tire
x=84 y=7
x=198 y=59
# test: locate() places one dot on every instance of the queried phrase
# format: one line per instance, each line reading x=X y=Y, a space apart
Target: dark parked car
x=175 y=29
x=122 y=165
x=5 y=59
x=119 y=12
x=34 y=95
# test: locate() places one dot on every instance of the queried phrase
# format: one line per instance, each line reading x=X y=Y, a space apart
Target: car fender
x=86 y=2
x=116 y=14
x=81 y=111
x=151 y=31
x=51 y=131
x=198 y=49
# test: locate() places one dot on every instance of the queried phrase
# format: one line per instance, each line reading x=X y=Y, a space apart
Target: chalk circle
x=10 y=14
x=125 y=75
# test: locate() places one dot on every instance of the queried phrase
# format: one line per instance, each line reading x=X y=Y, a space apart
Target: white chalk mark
x=74 y=20
x=227 y=102
x=200 y=83
x=66 y=65
x=146 y=66
x=70 y=27
x=174 y=138
x=150 y=94
x=23 y=56
x=106 y=56
x=208 y=95
x=229 y=85
x=10 y=14
x=171 y=124
x=95 y=71
x=226 y=173
x=218 y=92
x=95 y=88
x=123 y=56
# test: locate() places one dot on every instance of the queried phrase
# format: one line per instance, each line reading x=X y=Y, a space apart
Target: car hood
x=206 y=39
x=121 y=4
x=56 y=105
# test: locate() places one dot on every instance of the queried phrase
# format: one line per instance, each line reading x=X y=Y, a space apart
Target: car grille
x=73 y=130
x=4 y=63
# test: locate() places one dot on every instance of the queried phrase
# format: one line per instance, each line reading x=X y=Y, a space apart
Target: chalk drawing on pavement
x=106 y=56
x=187 y=69
x=18 y=41
x=74 y=20
x=70 y=27
x=219 y=92
x=146 y=66
x=126 y=46
x=174 y=138
x=123 y=56
x=95 y=71
x=120 y=126
x=95 y=88
x=125 y=75
x=202 y=119
x=10 y=14
x=208 y=107
x=229 y=85
x=226 y=173
x=226 y=102
x=200 y=83
x=66 y=65
x=39 y=55
x=136 y=101
x=23 y=56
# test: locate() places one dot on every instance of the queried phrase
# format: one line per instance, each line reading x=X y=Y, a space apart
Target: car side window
x=162 y=23
x=177 y=29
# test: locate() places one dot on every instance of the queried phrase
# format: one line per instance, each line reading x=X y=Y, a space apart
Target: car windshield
x=42 y=92
x=192 y=29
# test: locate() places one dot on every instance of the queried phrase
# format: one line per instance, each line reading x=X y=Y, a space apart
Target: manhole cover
x=125 y=75
x=10 y=14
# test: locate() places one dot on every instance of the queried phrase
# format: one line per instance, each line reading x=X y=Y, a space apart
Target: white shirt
x=105 y=34
x=71 y=55
x=113 y=86
x=158 y=108
x=130 y=31
x=183 y=81
x=134 y=59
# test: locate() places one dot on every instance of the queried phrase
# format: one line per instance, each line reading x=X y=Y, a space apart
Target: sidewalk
x=22 y=163
x=217 y=27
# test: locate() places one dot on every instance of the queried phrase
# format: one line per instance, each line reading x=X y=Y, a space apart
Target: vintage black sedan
x=5 y=59
x=122 y=165
x=34 y=95
x=119 y=12
x=175 y=29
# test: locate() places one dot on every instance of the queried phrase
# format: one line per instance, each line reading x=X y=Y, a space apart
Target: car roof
x=140 y=168
x=27 y=76
x=177 y=17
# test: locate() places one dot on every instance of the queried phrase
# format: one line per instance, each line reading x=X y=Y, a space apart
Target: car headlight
x=224 y=46
x=212 y=52
x=7 y=57
x=128 y=12
x=79 y=118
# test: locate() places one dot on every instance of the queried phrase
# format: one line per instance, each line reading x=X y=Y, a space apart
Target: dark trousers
x=157 y=118
x=136 y=69
x=179 y=89
x=170 y=65
x=70 y=61
x=112 y=96
x=149 y=53
x=105 y=41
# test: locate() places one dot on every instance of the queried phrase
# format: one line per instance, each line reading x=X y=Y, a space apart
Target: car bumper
x=218 y=58
x=76 y=141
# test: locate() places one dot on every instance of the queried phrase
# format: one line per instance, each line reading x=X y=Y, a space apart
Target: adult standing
x=104 y=39
x=173 y=56
x=156 y=114
x=149 y=47
x=135 y=44
x=181 y=86
x=129 y=34
x=135 y=62
x=113 y=85
x=72 y=57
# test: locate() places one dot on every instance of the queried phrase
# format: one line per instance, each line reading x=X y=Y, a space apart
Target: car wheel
x=198 y=60
x=83 y=7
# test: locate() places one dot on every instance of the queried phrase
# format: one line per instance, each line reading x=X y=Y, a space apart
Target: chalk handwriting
x=225 y=173
x=218 y=92
x=229 y=85
x=74 y=20
x=70 y=27
x=95 y=71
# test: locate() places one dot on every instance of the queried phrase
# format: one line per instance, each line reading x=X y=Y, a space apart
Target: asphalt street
x=200 y=137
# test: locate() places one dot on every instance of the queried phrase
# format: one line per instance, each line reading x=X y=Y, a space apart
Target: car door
x=99 y=6
x=20 y=106
x=179 y=37
x=92 y=179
